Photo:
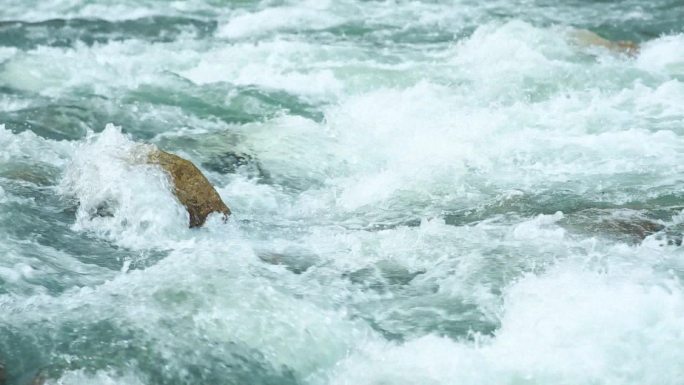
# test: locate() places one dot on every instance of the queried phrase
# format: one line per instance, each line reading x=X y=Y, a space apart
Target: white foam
x=247 y=197
x=101 y=67
x=539 y=228
x=664 y=55
x=279 y=64
x=104 y=174
x=100 y=377
x=7 y=53
x=27 y=146
x=507 y=61
x=35 y=11
x=424 y=139
x=408 y=138
x=567 y=326
x=208 y=289
x=309 y=14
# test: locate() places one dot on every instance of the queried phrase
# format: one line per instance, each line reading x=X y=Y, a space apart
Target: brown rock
x=588 y=38
x=39 y=378
x=191 y=187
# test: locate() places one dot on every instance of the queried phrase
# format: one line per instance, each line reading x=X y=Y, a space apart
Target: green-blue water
x=424 y=192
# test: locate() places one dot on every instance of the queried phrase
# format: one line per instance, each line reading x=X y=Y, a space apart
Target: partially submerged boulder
x=39 y=378
x=191 y=187
x=588 y=38
x=618 y=224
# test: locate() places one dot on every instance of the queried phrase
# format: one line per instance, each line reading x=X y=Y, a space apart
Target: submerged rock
x=630 y=226
x=230 y=162
x=293 y=259
x=587 y=38
x=39 y=378
x=191 y=187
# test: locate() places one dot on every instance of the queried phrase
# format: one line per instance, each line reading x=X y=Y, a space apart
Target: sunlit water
x=423 y=193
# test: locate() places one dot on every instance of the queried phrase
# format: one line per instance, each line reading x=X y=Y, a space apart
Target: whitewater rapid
x=422 y=193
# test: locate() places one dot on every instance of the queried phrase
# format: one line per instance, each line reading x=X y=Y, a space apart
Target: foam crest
x=567 y=326
x=114 y=11
x=540 y=227
x=100 y=377
x=504 y=61
x=210 y=296
x=292 y=66
x=395 y=140
x=664 y=55
x=118 y=196
x=424 y=193
x=7 y=53
x=311 y=14
x=27 y=146
x=99 y=68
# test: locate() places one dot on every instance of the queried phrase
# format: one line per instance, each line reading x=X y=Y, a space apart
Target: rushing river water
x=438 y=192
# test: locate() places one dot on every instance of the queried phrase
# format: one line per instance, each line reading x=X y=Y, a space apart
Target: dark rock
x=396 y=274
x=637 y=230
x=630 y=226
x=231 y=162
x=39 y=378
x=672 y=235
x=382 y=276
x=191 y=187
x=104 y=209
x=228 y=163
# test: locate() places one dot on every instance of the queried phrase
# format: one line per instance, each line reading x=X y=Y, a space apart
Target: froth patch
x=503 y=60
x=101 y=68
x=664 y=55
x=311 y=14
x=291 y=66
x=118 y=197
x=6 y=53
x=417 y=142
x=27 y=146
x=100 y=377
x=568 y=326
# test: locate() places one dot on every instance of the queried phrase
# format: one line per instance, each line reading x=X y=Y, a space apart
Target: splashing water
x=423 y=193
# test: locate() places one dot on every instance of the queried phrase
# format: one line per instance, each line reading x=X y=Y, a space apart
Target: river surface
x=424 y=192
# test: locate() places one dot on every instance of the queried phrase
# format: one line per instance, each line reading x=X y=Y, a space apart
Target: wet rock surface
x=584 y=37
x=630 y=226
x=191 y=187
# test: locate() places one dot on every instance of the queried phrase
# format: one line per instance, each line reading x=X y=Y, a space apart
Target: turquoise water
x=423 y=192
